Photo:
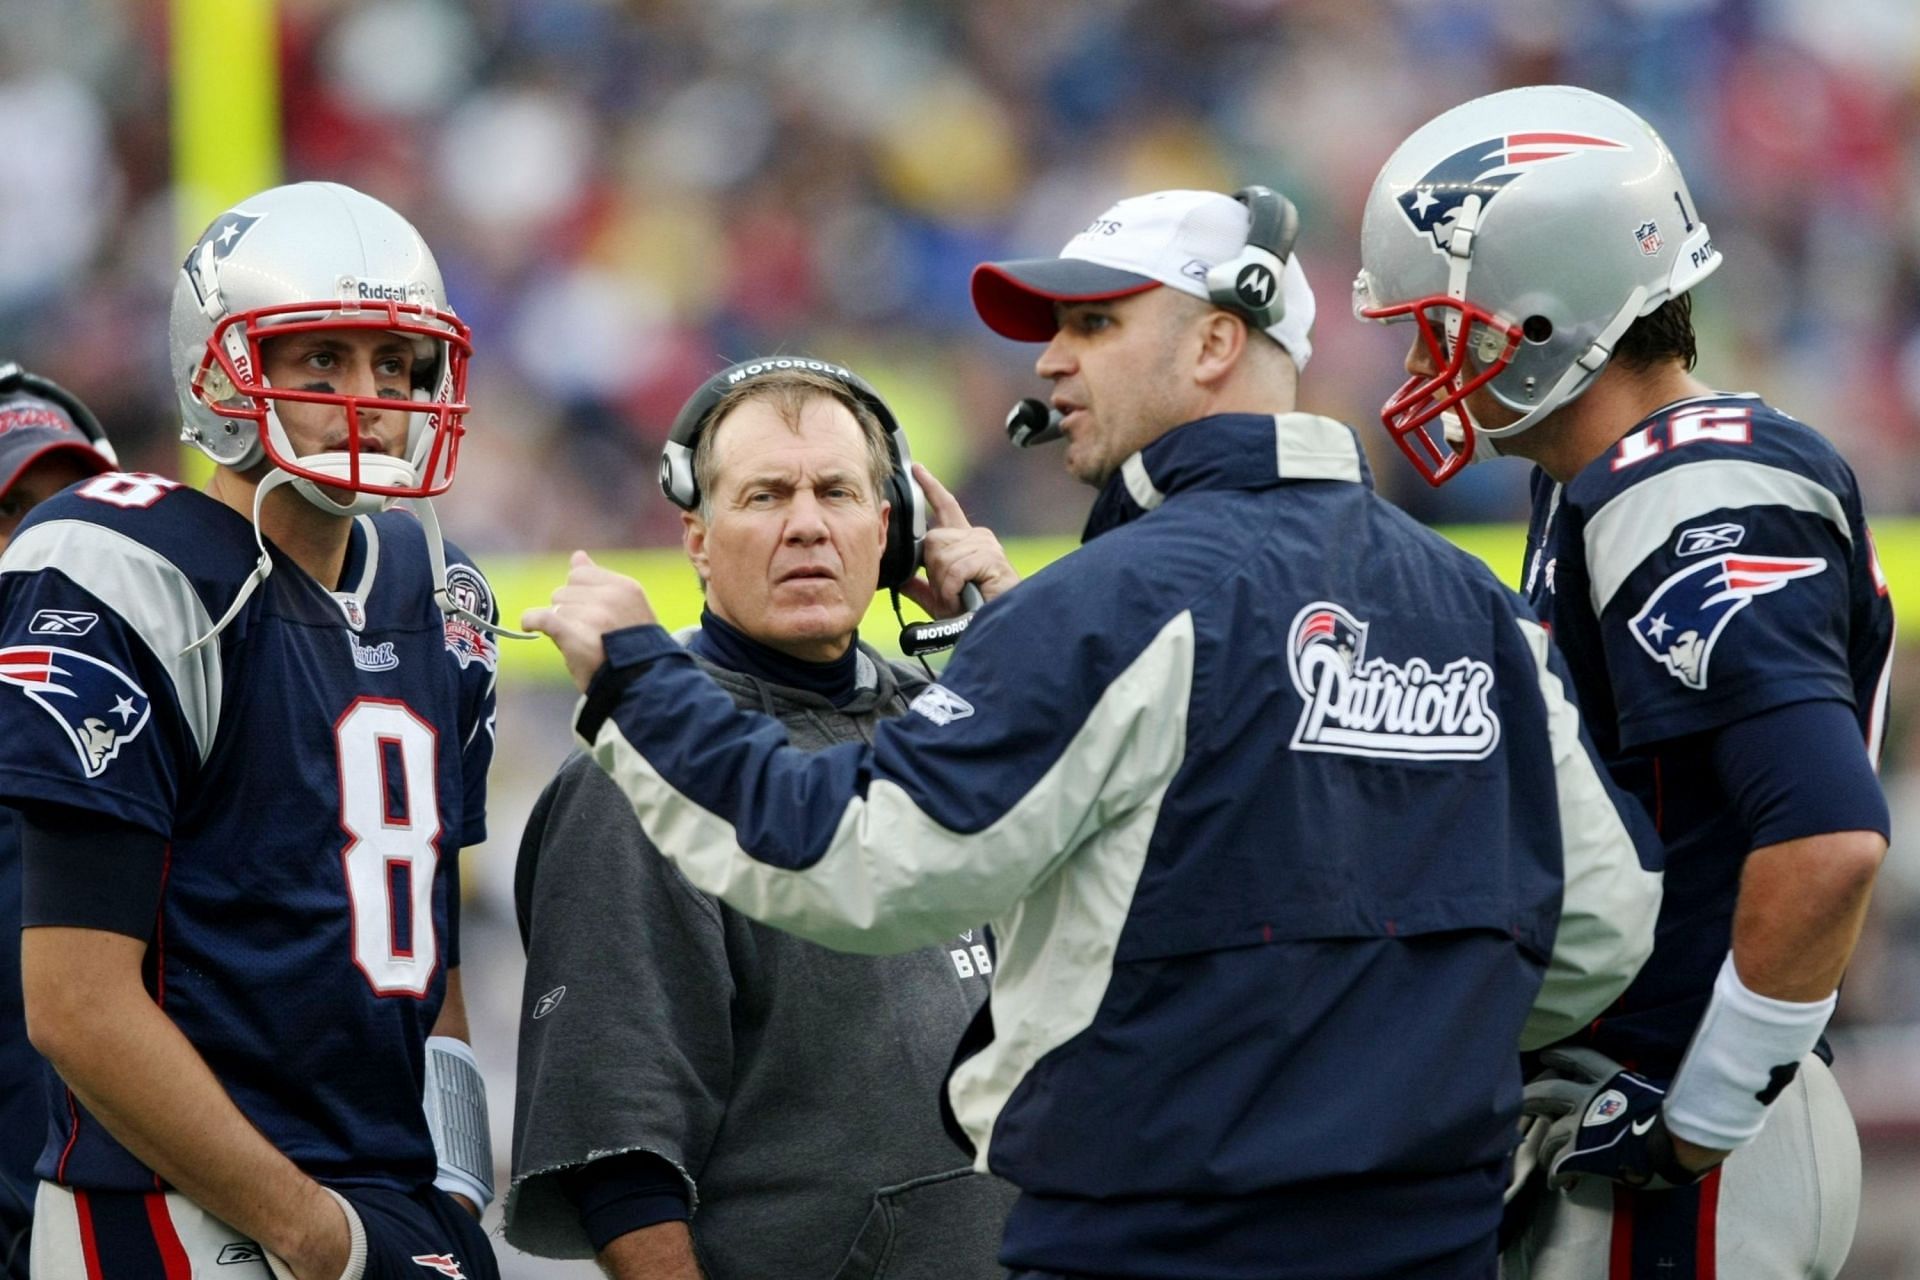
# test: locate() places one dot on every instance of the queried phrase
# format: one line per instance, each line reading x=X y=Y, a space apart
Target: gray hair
x=789 y=391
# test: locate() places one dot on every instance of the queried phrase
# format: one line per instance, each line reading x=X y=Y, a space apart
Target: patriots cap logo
x=1682 y=620
x=98 y=705
x=1484 y=169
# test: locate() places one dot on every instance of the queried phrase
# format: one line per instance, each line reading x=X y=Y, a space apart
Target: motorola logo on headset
x=744 y=372
x=1255 y=285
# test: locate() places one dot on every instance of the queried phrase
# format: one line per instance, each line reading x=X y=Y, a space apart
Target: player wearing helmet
x=1707 y=571
x=248 y=730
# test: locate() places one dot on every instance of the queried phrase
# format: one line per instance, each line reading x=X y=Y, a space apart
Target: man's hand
x=590 y=603
x=1606 y=1123
x=954 y=554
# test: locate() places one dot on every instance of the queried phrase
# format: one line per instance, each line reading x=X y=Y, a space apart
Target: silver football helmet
x=313 y=256
x=1523 y=232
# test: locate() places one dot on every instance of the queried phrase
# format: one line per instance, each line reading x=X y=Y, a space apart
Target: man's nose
x=806 y=519
x=1056 y=360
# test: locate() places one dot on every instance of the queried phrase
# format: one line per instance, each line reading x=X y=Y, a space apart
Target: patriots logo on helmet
x=1484 y=169
x=214 y=245
x=1683 y=618
x=98 y=705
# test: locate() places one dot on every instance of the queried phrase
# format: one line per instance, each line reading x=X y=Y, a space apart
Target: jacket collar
x=1228 y=451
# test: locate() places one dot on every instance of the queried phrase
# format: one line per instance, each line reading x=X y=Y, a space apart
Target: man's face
x=791 y=549
x=1485 y=410
x=1115 y=373
x=36 y=484
x=348 y=362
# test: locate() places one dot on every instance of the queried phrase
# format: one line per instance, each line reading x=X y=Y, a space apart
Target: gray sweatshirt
x=796 y=1088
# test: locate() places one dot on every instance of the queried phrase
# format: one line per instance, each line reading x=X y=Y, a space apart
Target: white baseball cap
x=1170 y=238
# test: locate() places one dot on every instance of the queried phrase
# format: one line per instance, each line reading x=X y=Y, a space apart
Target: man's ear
x=693 y=536
x=1223 y=339
x=886 y=517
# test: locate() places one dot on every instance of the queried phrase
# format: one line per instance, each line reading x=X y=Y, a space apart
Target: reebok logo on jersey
x=549 y=1002
x=1683 y=618
x=941 y=705
x=97 y=704
x=1361 y=707
x=1608 y=1106
x=62 y=622
x=1701 y=539
x=239 y=1251
x=445 y=1263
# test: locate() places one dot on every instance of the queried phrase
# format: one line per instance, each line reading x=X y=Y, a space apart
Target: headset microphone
x=917 y=639
x=1033 y=422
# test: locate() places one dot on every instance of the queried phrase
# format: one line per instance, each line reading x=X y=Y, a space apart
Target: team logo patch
x=1683 y=618
x=1648 y=234
x=374 y=657
x=352 y=610
x=1358 y=706
x=62 y=622
x=204 y=259
x=445 y=1263
x=1609 y=1106
x=1701 y=539
x=98 y=705
x=1483 y=170
x=941 y=705
x=549 y=1002
x=235 y=1252
x=466 y=642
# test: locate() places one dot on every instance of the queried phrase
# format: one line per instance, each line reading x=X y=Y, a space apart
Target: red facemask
x=1421 y=400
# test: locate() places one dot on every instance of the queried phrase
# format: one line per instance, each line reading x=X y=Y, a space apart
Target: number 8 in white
x=389 y=806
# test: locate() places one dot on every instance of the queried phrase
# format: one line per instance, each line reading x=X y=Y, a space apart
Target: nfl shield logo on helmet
x=1648 y=234
x=1682 y=620
x=97 y=704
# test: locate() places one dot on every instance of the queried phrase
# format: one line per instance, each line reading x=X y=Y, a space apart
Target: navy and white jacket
x=1281 y=813
x=1713 y=566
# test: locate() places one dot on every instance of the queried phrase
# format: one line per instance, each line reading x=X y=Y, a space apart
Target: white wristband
x=1745 y=1051
x=455 y=1102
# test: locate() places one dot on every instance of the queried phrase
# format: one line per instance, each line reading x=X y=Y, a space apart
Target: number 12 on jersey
x=389 y=807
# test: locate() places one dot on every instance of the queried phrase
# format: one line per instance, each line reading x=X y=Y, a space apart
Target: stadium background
x=624 y=194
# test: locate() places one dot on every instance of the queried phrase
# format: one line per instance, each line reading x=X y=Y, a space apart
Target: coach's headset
x=1250 y=284
x=17 y=381
x=906 y=526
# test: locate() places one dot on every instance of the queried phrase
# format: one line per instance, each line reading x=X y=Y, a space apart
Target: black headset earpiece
x=15 y=379
x=906 y=527
x=1250 y=282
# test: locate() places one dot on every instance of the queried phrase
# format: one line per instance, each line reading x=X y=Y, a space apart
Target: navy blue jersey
x=315 y=769
x=23 y=1109
x=1714 y=565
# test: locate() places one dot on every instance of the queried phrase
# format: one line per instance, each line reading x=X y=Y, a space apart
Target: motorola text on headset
x=14 y=381
x=1248 y=284
x=906 y=530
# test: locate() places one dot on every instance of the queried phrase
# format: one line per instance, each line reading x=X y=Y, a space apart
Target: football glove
x=1604 y=1122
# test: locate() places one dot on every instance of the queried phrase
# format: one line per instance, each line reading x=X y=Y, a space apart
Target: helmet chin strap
x=437 y=555
x=1591 y=362
x=261 y=569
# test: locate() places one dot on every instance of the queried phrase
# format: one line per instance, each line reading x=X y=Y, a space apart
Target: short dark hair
x=1665 y=333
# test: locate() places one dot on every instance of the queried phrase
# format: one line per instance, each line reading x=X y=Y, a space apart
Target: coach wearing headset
x=692 y=1083
x=1278 y=805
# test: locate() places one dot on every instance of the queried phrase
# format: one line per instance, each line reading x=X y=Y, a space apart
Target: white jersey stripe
x=1877 y=714
x=1638 y=521
x=1055 y=874
x=149 y=592
x=1310 y=447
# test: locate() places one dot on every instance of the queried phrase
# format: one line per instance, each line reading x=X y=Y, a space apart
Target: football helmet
x=1523 y=233
x=305 y=257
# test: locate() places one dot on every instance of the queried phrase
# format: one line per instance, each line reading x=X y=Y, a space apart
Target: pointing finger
x=941 y=504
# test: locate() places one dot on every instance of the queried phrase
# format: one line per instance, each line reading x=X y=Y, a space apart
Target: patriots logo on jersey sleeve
x=98 y=705
x=1683 y=618
x=1484 y=169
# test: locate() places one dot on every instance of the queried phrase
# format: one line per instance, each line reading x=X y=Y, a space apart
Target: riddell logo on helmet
x=770 y=366
x=380 y=291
